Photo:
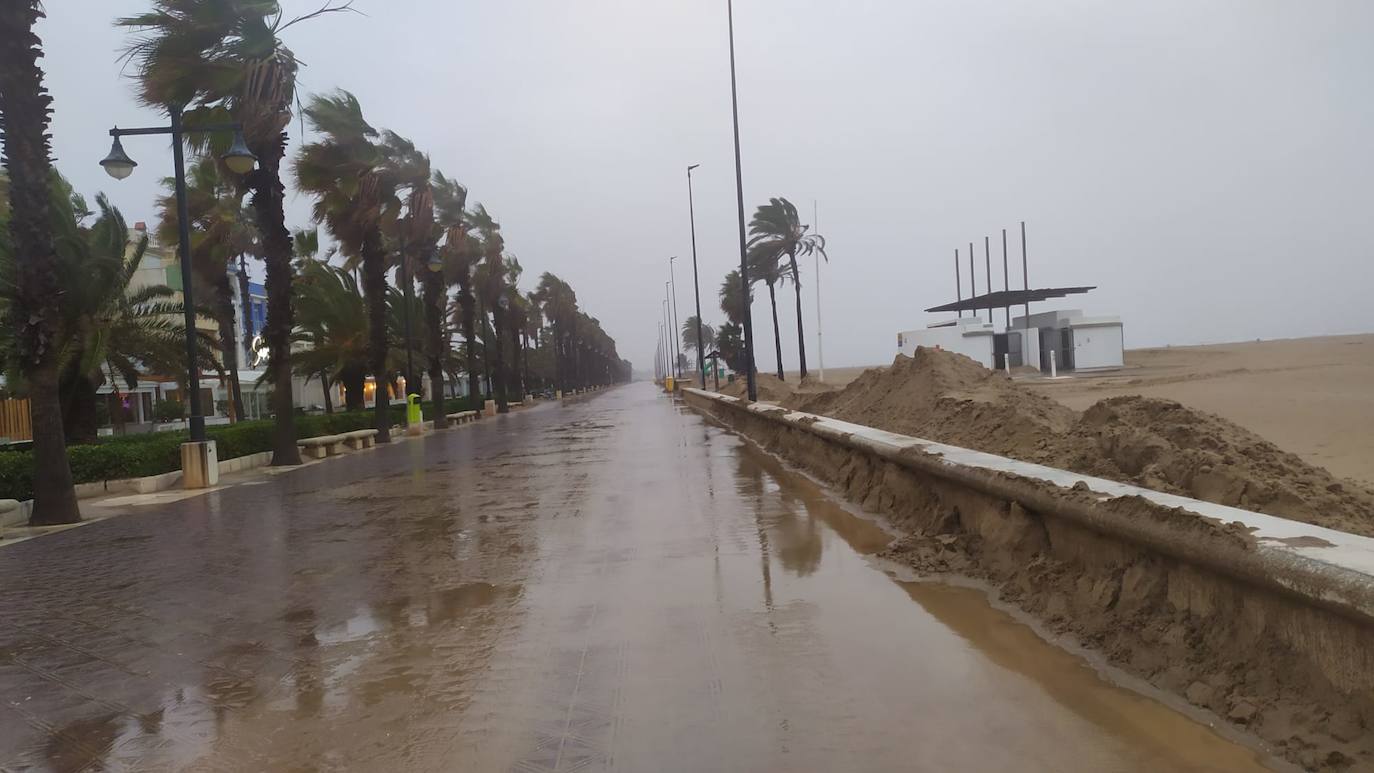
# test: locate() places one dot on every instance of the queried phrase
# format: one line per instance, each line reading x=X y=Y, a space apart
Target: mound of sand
x=772 y=389
x=948 y=397
x=1154 y=443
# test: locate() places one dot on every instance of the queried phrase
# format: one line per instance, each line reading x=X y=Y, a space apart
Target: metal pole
x=753 y=390
x=696 y=282
x=406 y=285
x=197 y=419
x=667 y=331
x=1006 y=282
x=820 y=343
x=1025 y=272
x=677 y=331
x=958 y=282
x=987 y=273
x=972 y=281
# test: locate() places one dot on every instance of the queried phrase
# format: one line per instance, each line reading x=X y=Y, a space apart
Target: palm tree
x=689 y=334
x=227 y=59
x=730 y=335
x=490 y=282
x=332 y=318
x=356 y=198
x=220 y=232
x=558 y=303
x=777 y=231
x=110 y=330
x=460 y=254
x=418 y=232
x=33 y=313
x=765 y=266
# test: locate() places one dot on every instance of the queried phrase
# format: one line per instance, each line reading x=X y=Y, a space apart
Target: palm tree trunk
x=25 y=107
x=433 y=292
x=374 y=289
x=228 y=346
x=499 y=370
x=777 y=339
x=801 y=339
x=466 y=303
x=267 y=201
x=354 y=382
x=328 y=399
x=77 y=395
x=247 y=305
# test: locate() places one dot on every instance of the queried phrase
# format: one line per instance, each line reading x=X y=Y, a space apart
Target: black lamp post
x=753 y=390
x=240 y=160
x=696 y=282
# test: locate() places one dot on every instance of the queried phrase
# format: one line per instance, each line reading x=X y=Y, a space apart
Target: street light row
x=752 y=387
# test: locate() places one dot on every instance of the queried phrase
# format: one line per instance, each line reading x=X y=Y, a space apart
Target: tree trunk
x=77 y=396
x=328 y=399
x=35 y=310
x=499 y=368
x=467 y=304
x=374 y=290
x=801 y=339
x=247 y=308
x=777 y=339
x=433 y=293
x=228 y=346
x=267 y=201
x=354 y=381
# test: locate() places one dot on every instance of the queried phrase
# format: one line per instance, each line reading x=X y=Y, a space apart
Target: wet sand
x=1311 y=396
x=605 y=585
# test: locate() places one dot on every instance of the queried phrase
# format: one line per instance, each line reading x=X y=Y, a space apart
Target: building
x=1051 y=341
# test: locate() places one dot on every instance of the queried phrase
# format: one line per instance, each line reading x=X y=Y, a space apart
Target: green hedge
x=136 y=456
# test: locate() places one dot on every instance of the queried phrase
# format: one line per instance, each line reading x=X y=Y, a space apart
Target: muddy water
x=610 y=584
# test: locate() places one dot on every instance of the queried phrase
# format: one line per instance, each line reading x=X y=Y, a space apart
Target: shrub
x=168 y=410
x=153 y=453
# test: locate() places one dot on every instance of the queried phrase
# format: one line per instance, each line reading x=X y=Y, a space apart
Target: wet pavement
x=606 y=584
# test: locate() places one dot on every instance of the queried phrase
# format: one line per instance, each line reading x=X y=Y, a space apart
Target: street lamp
x=696 y=283
x=239 y=160
x=753 y=390
x=677 y=334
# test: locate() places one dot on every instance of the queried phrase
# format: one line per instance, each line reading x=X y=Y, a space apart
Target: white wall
x=1097 y=345
x=971 y=337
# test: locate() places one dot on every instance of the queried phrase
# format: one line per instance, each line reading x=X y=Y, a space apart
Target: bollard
x=1054 y=371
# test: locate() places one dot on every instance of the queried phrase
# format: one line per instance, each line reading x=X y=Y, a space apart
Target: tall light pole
x=696 y=282
x=668 y=326
x=753 y=389
x=677 y=335
x=240 y=160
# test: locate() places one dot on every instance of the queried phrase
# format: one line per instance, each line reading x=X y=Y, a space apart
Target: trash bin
x=415 y=421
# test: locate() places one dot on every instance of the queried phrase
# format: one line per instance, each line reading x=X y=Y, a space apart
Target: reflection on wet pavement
x=610 y=584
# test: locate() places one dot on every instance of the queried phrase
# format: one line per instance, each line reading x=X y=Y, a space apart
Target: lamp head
x=118 y=164
x=239 y=158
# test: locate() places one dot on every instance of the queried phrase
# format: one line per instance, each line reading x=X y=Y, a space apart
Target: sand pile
x=948 y=397
x=1163 y=445
x=1158 y=444
x=771 y=389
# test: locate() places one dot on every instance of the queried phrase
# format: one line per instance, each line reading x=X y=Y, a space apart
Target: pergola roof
x=1002 y=298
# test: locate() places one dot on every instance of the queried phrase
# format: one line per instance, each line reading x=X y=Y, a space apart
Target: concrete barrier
x=1261 y=580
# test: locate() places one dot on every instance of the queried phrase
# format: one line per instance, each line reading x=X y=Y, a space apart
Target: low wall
x=1264 y=621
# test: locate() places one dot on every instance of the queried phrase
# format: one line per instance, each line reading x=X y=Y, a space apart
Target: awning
x=1003 y=298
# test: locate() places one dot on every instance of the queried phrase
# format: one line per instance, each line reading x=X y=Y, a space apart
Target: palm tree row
x=376 y=195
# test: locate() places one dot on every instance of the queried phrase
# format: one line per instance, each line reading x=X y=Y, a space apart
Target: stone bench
x=462 y=417
x=515 y=404
x=322 y=446
x=360 y=439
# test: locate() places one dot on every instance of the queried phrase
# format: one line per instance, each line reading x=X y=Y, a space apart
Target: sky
x=1207 y=165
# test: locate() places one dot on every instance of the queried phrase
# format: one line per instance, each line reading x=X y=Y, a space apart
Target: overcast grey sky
x=1207 y=163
